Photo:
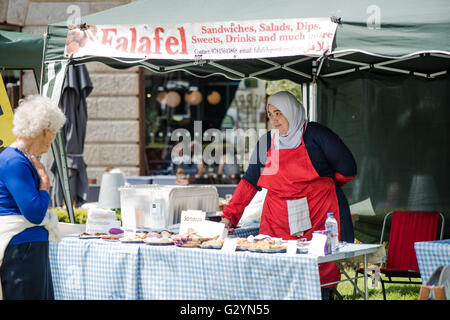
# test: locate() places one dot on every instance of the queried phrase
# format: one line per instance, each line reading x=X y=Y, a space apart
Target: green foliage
x=63 y=216
x=284 y=85
x=118 y=214
x=80 y=215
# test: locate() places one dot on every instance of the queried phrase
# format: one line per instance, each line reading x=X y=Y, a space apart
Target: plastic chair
x=407 y=227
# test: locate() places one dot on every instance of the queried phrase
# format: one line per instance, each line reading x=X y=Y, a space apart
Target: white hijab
x=294 y=112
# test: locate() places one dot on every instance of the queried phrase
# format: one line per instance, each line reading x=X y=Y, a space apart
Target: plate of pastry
x=159 y=241
x=133 y=238
x=86 y=235
x=212 y=244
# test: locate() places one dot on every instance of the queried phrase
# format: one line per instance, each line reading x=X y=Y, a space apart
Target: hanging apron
x=290 y=175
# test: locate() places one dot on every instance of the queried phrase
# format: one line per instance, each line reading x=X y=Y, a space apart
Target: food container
x=71 y=228
x=100 y=220
x=159 y=206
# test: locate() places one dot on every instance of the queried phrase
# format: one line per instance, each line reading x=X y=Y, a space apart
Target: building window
x=183 y=108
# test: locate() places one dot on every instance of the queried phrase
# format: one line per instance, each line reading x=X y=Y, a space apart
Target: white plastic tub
x=71 y=228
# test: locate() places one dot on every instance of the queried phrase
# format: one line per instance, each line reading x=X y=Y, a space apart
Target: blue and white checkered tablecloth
x=240 y=232
x=98 y=269
x=245 y=231
x=430 y=255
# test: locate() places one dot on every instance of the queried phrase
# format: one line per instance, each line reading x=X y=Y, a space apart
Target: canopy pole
x=313 y=92
x=312 y=103
x=305 y=99
x=53 y=80
x=41 y=76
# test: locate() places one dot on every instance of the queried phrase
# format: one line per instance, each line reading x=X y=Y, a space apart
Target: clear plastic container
x=331 y=226
x=159 y=206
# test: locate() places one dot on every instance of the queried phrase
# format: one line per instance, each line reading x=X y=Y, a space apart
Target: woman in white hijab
x=293 y=112
x=302 y=165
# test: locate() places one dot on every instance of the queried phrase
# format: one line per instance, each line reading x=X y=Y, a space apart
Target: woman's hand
x=227 y=224
x=44 y=180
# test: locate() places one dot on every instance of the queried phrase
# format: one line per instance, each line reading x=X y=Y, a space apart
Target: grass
x=394 y=291
x=80 y=215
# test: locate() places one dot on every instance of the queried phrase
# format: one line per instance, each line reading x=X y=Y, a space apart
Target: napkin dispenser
x=320 y=244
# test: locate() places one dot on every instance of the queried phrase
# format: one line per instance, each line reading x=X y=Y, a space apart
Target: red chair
x=407 y=227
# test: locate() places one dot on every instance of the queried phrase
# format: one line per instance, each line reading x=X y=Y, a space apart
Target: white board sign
x=191 y=218
x=207 y=40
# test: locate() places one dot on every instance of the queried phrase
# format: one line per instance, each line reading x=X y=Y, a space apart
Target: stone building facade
x=113 y=106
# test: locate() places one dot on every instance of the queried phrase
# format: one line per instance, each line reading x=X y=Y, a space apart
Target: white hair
x=34 y=114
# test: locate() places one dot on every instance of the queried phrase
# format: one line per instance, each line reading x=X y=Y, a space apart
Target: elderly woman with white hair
x=25 y=222
x=302 y=165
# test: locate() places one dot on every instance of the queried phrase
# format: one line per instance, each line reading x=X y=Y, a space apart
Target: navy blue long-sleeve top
x=329 y=156
x=20 y=194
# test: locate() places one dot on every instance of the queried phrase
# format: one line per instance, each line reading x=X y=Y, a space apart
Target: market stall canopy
x=387 y=37
x=254 y=38
x=21 y=51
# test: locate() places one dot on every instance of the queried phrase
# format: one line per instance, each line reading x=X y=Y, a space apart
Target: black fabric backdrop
x=398 y=128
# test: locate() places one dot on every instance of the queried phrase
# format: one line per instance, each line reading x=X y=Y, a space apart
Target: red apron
x=297 y=178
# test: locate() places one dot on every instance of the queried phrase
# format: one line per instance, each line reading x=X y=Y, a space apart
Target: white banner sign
x=215 y=40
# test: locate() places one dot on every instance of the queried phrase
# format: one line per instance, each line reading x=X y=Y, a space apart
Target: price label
x=291 y=247
x=229 y=245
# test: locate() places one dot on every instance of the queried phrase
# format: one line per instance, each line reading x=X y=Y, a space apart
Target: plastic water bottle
x=331 y=226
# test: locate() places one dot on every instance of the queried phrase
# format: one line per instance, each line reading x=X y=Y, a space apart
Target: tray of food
x=267 y=250
x=86 y=235
x=267 y=246
x=134 y=238
x=163 y=238
x=242 y=244
x=212 y=244
x=110 y=237
x=189 y=240
x=159 y=241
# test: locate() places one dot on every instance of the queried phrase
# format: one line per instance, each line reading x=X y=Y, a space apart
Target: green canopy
x=21 y=51
x=390 y=38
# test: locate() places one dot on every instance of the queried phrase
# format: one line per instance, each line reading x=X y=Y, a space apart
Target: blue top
x=19 y=194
